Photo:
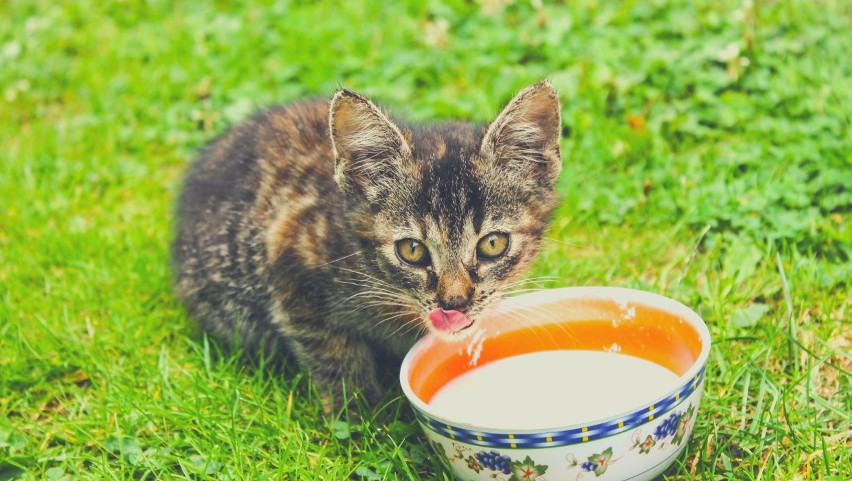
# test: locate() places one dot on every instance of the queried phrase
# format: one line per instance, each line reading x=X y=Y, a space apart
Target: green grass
x=709 y=158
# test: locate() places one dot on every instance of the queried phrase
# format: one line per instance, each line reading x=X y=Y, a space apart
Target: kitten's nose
x=455 y=290
x=455 y=303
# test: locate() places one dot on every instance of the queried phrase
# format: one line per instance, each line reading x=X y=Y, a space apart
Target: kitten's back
x=260 y=192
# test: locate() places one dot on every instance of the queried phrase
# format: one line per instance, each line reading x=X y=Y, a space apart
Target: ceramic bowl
x=635 y=443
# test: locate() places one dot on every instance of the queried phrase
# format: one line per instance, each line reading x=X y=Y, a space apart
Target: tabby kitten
x=335 y=233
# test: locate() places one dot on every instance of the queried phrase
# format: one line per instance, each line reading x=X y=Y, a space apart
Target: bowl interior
x=645 y=326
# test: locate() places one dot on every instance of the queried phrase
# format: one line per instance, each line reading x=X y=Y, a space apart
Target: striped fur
x=288 y=224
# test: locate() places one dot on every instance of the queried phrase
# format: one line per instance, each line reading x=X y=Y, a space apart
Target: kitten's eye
x=493 y=245
x=412 y=252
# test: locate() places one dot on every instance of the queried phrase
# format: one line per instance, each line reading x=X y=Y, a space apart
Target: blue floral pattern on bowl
x=676 y=426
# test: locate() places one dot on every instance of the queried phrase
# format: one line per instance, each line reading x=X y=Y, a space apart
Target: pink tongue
x=450 y=321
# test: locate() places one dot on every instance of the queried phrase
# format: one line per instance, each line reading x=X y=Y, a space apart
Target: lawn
x=708 y=157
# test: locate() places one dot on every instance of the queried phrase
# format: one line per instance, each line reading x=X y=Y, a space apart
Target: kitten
x=334 y=233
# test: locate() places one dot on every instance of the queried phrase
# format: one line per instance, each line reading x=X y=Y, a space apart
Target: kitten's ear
x=525 y=136
x=368 y=146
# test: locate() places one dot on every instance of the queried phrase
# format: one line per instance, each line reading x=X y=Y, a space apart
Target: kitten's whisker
x=525 y=313
x=389 y=304
x=363 y=282
x=524 y=284
x=414 y=325
x=531 y=280
x=408 y=325
x=562 y=326
x=532 y=324
x=368 y=283
x=337 y=260
x=513 y=292
x=384 y=320
x=391 y=317
x=563 y=242
x=380 y=302
x=376 y=294
x=361 y=286
x=363 y=274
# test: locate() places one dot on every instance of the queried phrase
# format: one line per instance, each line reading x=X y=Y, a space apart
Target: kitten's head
x=447 y=215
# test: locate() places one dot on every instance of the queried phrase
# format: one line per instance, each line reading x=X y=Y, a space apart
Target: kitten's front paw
x=343 y=370
x=339 y=398
x=327 y=403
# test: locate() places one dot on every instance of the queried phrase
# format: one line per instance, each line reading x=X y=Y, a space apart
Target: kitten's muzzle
x=454 y=299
